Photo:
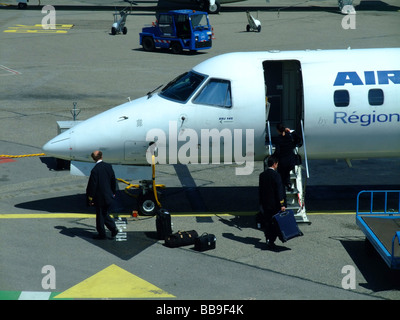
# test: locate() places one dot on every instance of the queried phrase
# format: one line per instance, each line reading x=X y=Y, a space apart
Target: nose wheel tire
x=214 y=8
x=147 y=205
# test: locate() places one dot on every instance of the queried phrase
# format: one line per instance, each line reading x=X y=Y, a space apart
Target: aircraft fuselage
x=348 y=101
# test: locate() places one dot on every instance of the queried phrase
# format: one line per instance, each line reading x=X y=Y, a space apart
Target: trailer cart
x=380 y=222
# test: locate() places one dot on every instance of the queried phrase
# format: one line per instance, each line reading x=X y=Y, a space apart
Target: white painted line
x=10 y=71
x=34 y=295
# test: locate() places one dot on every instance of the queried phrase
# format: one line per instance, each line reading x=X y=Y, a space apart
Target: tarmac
x=43 y=217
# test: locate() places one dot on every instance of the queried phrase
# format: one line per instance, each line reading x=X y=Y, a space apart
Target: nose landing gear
x=147 y=199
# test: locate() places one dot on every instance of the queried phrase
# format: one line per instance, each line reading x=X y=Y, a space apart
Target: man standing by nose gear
x=100 y=193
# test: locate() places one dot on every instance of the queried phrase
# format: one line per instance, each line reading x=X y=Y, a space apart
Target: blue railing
x=372 y=194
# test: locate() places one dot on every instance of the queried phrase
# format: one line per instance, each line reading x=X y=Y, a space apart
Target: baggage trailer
x=381 y=226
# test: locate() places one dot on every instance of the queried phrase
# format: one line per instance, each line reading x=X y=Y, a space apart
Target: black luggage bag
x=163 y=224
x=286 y=225
x=181 y=238
x=205 y=242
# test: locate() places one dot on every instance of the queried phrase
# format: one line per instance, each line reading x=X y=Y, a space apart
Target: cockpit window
x=216 y=92
x=182 y=87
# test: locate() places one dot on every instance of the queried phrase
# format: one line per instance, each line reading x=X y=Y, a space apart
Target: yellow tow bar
x=154 y=185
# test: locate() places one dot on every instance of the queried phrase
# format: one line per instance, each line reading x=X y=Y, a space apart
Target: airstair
x=295 y=199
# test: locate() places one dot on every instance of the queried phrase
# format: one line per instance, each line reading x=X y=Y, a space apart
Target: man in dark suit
x=100 y=193
x=272 y=198
x=285 y=144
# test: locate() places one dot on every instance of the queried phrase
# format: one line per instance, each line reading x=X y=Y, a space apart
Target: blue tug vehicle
x=178 y=30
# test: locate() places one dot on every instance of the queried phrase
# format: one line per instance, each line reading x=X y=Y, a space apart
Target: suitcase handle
x=285 y=213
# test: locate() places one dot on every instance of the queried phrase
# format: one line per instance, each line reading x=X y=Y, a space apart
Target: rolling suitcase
x=286 y=225
x=163 y=224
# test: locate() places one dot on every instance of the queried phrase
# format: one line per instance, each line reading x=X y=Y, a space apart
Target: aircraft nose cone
x=58 y=147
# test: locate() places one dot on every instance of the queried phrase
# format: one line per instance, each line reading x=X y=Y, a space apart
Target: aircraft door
x=135 y=151
x=284 y=93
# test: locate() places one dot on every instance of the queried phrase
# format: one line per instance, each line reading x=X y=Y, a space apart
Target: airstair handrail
x=269 y=137
x=305 y=148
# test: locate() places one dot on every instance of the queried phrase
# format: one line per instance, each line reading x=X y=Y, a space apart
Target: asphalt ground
x=44 y=220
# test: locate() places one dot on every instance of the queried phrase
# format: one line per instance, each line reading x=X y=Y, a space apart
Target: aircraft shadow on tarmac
x=76 y=203
x=210 y=199
x=377 y=274
x=64 y=204
x=175 y=200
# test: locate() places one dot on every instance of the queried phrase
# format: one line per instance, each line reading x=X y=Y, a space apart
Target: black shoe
x=114 y=233
x=99 y=237
x=271 y=245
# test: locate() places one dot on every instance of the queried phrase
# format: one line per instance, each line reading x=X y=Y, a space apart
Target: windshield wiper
x=150 y=93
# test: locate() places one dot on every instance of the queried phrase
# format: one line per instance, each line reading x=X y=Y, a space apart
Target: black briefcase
x=181 y=238
x=163 y=224
x=205 y=242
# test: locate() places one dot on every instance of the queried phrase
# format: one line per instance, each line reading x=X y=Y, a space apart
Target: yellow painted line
x=329 y=213
x=36 y=31
x=45 y=215
x=38 y=28
x=114 y=282
x=92 y=215
x=180 y=214
x=208 y=214
x=251 y=213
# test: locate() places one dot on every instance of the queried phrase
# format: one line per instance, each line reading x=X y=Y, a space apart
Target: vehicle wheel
x=248 y=28
x=125 y=30
x=148 y=44
x=113 y=31
x=147 y=205
x=259 y=28
x=22 y=5
x=176 y=47
x=215 y=8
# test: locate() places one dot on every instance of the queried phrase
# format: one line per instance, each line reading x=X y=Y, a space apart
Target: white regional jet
x=214 y=6
x=345 y=103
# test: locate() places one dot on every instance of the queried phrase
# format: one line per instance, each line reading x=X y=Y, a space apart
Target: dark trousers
x=284 y=171
x=270 y=230
x=103 y=218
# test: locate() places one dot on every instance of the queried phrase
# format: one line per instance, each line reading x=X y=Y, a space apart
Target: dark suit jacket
x=284 y=146
x=102 y=185
x=271 y=192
